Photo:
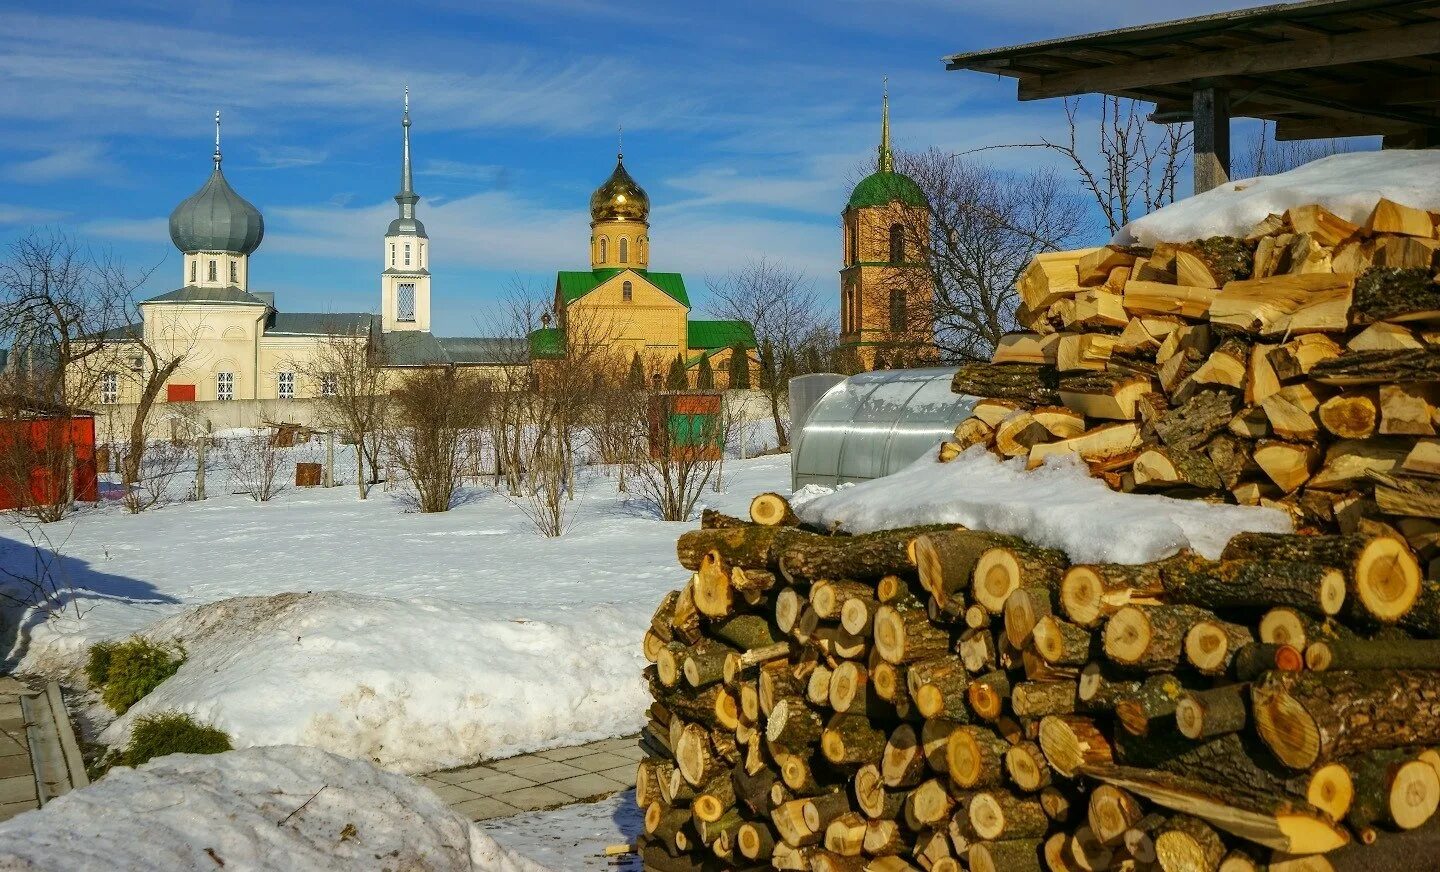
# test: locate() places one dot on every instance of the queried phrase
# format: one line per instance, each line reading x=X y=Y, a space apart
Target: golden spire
x=887 y=160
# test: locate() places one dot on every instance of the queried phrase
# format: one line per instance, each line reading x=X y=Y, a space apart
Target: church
x=235 y=342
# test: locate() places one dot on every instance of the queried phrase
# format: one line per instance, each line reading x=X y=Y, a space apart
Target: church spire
x=407 y=198
x=217 y=139
x=887 y=159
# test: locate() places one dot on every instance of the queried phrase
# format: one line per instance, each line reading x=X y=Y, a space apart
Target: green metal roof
x=192 y=294
x=547 y=342
x=575 y=284
x=720 y=334
x=878 y=189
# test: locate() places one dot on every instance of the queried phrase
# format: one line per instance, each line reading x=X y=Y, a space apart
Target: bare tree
x=1138 y=168
x=1264 y=155
x=349 y=370
x=60 y=304
x=256 y=460
x=432 y=410
x=962 y=258
x=679 y=461
x=782 y=307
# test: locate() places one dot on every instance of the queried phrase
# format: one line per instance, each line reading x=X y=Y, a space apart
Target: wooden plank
x=1346 y=48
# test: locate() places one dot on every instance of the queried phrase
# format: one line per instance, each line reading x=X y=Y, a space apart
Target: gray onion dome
x=215 y=218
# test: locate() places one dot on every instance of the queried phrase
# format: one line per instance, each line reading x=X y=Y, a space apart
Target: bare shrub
x=672 y=473
x=256 y=462
x=430 y=412
x=349 y=371
x=149 y=476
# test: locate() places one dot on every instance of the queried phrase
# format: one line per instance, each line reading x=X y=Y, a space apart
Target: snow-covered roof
x=1347 y=184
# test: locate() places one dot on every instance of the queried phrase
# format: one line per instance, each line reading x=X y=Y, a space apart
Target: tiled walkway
x=545 y=779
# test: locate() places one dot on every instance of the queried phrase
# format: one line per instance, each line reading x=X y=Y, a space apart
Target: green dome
x=879 y=189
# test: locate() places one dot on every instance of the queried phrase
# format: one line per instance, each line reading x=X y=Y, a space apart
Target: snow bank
x=413 y=685
x=1058 y=505
x=243 y=810
x=1347 y=184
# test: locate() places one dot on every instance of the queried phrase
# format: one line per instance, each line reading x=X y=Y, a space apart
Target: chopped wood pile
x=1298 y=368
x=942 y=699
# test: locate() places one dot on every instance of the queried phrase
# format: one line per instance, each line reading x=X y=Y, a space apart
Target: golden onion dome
x=620 y=198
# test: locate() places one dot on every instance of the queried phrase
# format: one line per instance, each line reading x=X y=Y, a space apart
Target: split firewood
x=1026 y=348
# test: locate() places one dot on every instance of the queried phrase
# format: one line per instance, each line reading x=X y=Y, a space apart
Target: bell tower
x=886 y=293
x=405 y=280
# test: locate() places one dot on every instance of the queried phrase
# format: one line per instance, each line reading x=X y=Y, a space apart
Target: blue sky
x=746 y=122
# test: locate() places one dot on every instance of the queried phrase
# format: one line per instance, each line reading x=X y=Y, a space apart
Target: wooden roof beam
x=1360 y=47
x=1326 y=128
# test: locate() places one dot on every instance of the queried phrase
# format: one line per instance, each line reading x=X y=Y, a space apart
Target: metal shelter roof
x=876 y=423
x=1317 y=69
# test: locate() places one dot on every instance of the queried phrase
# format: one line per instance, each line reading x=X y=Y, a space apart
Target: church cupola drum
x=217 y=230
x=620 y=222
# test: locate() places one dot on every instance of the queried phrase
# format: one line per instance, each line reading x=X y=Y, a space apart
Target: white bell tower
x=405 y=280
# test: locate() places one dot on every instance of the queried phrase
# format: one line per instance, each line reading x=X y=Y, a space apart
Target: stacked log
x=1298 y=367
x=942 y=699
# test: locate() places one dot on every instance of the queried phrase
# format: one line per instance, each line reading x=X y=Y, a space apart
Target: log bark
x=1003 y=816
x=945 y=561
x=1379 y=654
x=1002 y=570
x=904 y=635
x=1150 y=637
x=1312 y=717
x=1392 y=788
x=1154 y=701
x=1026 y=383
x=1211 y=646
x=1204 y=714
x=772 y=510
x=975 y=757
x=851 y=740
x=871 y=555
x=1382 y=574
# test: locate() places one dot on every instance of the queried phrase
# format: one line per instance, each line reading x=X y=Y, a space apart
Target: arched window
x=855 y=241
x=897 y=243
x=234 y=273
x=213 y=273
x=193 y=265
x=626 y=290
x=604 y=248
x=624 y=249
x=897 y=310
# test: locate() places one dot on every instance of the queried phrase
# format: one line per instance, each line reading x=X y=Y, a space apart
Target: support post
x=200 y=465
x=330 y=458
x=1212 y=137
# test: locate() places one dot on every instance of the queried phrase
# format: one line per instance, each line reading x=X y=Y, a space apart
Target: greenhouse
x=875 y=423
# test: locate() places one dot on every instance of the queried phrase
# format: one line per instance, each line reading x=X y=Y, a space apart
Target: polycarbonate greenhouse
x=875 y=423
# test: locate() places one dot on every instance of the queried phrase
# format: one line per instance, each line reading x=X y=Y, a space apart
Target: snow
x=1058 y=505
x=1347 y=184
x=416 y=641
x=277 y=808
x=576 y=836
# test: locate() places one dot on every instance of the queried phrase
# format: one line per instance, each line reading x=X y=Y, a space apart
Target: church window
x=287 y=385
x=224 y=385
x=897 y=243
x=392 y=254
x=627 y=291
x=897 y=310
x=193 y=265
x=624 y=249
x=603 y=248
x=234 y=273
x=329 y=384
x=407 y=254
x=213 y=271
x=855 y=241
x=405 y=302
x=421 y=261
x=110 y=388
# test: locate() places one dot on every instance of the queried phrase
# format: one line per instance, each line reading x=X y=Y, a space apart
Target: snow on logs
x=938 y=698
x=1297 y=367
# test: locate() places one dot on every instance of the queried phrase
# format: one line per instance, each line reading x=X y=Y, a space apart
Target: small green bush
x=132 y=669
x=97 y=670
x=163 y=733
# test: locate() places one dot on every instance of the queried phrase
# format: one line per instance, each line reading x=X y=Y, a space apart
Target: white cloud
x=12 y=214
x=281 y=157
x=81 y=160
x=108 y=75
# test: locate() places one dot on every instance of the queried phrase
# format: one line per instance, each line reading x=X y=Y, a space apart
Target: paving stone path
x=545 y=779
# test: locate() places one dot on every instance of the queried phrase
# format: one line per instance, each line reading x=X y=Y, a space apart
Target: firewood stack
x=1298 y=367
x=942 y=699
